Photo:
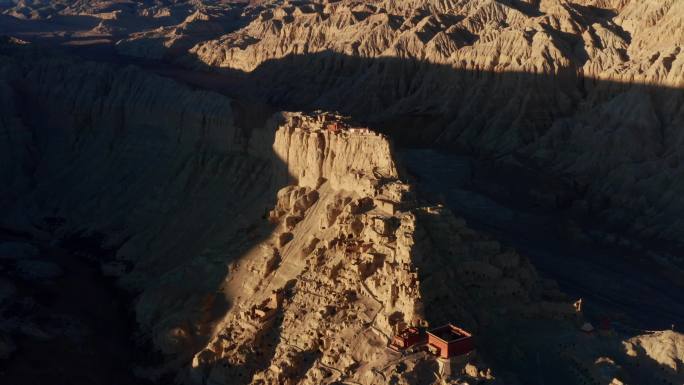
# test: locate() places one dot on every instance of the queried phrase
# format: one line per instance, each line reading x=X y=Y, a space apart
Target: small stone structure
x=269 y=307
x=385 y=206
x=407 y=338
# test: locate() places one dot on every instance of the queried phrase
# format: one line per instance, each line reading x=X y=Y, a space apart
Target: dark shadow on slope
x=78 y=319
x=217 y=191
x=529 y=8
x=13 y=25
x=584 y=269
x=602 y=16
x=99 y=35
x=650 y=370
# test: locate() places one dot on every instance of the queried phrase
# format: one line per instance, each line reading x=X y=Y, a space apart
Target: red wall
x=443 y=347
x=455 y=348
x=462 y=346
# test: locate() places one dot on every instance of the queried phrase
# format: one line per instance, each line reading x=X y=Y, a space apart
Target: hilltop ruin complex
x=355 y=259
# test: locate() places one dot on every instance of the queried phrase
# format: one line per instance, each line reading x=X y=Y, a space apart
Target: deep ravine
x=73 y=327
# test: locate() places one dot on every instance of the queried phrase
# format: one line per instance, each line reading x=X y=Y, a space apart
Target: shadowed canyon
x=304 y=192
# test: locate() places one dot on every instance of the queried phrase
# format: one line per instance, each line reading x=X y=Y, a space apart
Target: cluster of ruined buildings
x=445 y=341
x=262 y=315
x=333 y=123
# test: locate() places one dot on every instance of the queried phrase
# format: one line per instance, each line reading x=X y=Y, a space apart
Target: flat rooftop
x=449 y=333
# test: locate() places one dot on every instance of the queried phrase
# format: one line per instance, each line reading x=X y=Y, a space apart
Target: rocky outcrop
x=661 y=352
x=314 y=151
x=353 y=261
x=338 y=262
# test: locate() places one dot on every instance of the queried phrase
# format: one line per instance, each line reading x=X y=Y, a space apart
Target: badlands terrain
x=267 y=192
